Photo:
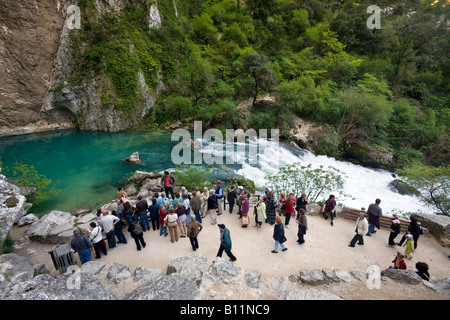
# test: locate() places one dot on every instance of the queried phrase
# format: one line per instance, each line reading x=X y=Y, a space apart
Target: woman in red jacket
x=289 y=209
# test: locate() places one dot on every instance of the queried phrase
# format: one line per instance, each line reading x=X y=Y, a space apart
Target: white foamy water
x=363 y=184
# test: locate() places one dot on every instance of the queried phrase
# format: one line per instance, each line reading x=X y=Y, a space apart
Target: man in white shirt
x=107 y=223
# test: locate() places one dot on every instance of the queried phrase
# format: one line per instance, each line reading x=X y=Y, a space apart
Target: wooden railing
x=385 y=221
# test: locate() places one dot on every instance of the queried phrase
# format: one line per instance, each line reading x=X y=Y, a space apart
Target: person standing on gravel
x=225 y=243
x=278 y=235
x=361 y=229
x=271 y=206
x=193 y=229
x=219 y=196
x=375 y=213
x=82 y=245
x=302 y=222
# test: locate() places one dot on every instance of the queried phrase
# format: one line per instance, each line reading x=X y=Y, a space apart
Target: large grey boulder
x=192 y=266
x=437 y=225
x=27 y=219
x=402 y=276
x=11 y=205
x=252 y=278
x=63 y=287
x=313 y=209
x=313 y=277
x=219 y=271
x=15 y=268
x=134 y=158
x=117 y=273
x=54 y=227
x=140 y=176
x=92 y=267
x=172 y=287
x=147 y=274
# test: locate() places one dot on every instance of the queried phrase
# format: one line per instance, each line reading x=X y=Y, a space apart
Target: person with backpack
x=193 y=229
x=96 y=238
x=136 y=232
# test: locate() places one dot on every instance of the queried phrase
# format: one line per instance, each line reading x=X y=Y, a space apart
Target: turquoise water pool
x=86 y=166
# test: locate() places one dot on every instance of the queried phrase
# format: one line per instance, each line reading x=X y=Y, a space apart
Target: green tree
x=191 y=175
x=259 y=77
x=25 y=175
x=197 y=74
x=314 y=182
x=204 y=30
x=432 y=182
x=178 y=107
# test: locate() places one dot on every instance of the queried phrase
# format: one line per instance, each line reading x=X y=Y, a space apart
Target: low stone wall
x=186 y=278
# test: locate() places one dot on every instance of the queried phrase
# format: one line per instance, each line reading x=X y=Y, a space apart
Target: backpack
x=137 y=228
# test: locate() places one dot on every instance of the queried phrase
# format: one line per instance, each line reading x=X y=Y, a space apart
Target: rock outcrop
x=437 y=225
x=367 y=155
x=134 y=158
x=11 y=206
x=54 y=227
x=186 y=278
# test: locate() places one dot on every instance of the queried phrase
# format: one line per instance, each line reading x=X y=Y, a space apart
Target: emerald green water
x=86 y=166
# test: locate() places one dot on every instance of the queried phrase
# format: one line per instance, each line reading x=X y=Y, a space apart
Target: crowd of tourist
x=182 y=214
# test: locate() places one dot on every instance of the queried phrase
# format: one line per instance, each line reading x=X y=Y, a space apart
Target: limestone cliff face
x=29 y=40
x=38 y=61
